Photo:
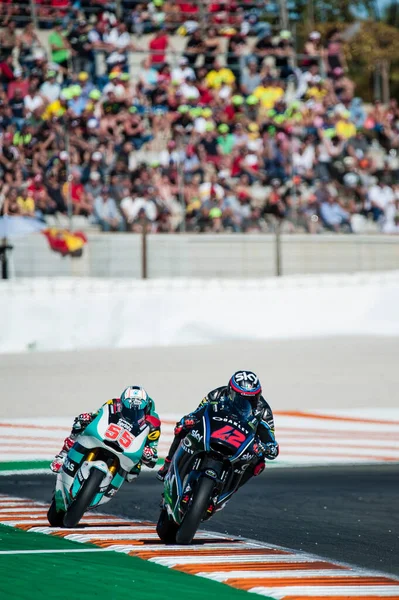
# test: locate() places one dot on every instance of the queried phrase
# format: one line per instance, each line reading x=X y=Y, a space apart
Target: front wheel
x=55 y=517
x=84 y=498
x=192 y=519
x=166 y=528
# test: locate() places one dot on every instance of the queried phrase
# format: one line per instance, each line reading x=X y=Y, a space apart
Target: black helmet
x=244 y=387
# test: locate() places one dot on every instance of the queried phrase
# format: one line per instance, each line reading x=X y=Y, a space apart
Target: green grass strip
x=93 y=576
x=24 y=465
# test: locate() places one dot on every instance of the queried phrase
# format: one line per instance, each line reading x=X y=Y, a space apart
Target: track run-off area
x=245 y=564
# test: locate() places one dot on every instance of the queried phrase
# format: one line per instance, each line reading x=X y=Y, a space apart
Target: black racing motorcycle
x=207 y=468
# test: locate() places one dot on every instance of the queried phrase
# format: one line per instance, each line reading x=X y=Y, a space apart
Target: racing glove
x=81 y=422
x=269 y=450
x=149 y=457
x=187 y=422
x=58 y=461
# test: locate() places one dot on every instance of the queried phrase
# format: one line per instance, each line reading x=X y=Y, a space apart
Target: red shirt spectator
x=36 y=187
x=6 y=73
x=158 y=46
x=18 y=84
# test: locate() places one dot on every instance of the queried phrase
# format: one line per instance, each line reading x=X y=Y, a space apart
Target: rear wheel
x=79 y=506
x=55 y=517
x=193 y=517
x=166 y=528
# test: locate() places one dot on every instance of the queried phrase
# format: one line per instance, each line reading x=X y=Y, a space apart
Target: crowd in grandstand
x=232 y=134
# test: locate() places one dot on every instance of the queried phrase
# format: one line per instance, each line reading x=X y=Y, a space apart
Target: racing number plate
x=120 y=435
x=229 y=434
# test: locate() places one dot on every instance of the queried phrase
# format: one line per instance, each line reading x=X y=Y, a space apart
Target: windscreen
x=133 y=415
x=241 y=407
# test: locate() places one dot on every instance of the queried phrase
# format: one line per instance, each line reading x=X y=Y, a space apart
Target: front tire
x=193 y=517
x=79 y=506
x=55 y=517
x=166 y=528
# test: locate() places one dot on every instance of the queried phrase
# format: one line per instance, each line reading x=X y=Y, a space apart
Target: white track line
x=156 y=547
x=30 y=510
x=307 y=574
x=303 y=591
x=102 y=529
x=172 y=561
x=67 y=550
x=127 y=536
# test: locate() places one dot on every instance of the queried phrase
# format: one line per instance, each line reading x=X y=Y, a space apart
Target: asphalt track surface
x=349 y=514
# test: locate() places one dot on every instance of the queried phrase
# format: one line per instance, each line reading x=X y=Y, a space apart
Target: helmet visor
x=133 y=414
x=241 y=404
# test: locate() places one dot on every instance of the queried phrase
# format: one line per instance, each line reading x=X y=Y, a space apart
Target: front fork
x=210 y=468
x=109 y=468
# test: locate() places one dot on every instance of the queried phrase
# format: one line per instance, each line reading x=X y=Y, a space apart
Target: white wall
x=65 y=314
x=191 y=255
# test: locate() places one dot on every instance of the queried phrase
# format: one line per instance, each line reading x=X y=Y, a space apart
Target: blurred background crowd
x=219 y=122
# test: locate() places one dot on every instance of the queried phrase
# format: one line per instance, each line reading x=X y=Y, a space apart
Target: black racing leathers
x=262 y=419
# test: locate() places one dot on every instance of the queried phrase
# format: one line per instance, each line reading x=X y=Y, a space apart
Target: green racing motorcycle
x=99 y=462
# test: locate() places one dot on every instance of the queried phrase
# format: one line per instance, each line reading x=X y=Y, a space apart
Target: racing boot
x=58 y=461
x=163 y=471
x=134 y=473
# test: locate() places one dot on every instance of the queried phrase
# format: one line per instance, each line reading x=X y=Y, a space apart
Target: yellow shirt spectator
x=55 y=109
x=218 y=77
x=316 y=93
x=268 y=95
x=27 y=205
x=345 y=129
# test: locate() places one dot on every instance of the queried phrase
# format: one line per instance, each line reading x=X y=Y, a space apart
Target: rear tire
x=166 y=528
x=79 y=506
x=193 y=517
x=55 y=517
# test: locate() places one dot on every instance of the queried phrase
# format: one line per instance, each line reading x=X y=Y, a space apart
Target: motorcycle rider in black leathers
x=243 y=384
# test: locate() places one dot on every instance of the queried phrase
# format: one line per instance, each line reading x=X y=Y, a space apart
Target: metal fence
x=207 y=256
x=205 y=12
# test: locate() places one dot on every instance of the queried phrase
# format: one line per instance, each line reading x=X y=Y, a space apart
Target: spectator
x=60 y=46
x=195 y=47
x=50 y=89
x=158 y=46
x=26 y=203
x=6 y=70
x=94 y=186
x=313 y=49
x=136 y=208
x=8 y=39
x=81 y=47
x=182 y=72
x=19 y=83
x=251 y=79
x=75 y=191
x=17 y=106
x=106 y=213
x=380 y=196
x=212 y=47
x=334 y=216
x=28 y=42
